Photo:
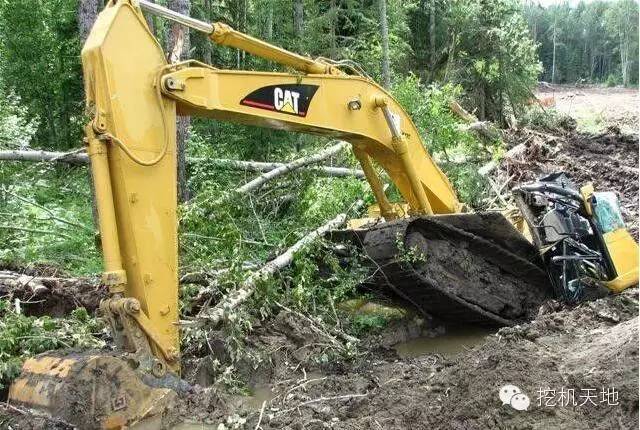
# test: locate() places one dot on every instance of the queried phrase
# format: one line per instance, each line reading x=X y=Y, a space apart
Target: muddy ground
x=589 y=347
x=608 y=159
x=306 y=378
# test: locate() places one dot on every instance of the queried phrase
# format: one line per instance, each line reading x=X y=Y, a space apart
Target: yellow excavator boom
x=133 y=97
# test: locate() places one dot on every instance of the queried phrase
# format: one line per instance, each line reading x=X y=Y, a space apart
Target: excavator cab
x=581 y=237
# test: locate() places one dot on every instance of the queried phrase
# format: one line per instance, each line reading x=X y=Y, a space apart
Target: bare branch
x=239 y=295
x=75 y=158
x=34 y=230
x=290 y=167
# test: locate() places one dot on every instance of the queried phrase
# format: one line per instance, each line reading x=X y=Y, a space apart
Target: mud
x=45 y=291
x=591 y=346
x=304 y=382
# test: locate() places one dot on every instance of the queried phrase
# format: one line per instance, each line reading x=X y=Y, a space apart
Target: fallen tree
x=483 y=129
x=291 y=166
x=234 y=298
x=75 y=158
x=44 y=156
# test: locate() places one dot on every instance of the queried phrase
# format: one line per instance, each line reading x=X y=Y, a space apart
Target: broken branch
x=239 y=295
x=293 y=165
x=75 y=158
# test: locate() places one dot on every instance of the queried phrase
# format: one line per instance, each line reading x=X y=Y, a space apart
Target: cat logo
x=285 y=100
x=291 y=99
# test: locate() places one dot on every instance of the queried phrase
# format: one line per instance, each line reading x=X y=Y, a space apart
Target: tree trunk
x=178 y=45
x=237 y=296
x=77 y=158
x=553 y=65
x=384 y=35
x=290 y=167
x=151 y=21
x=332 y=30
x=432 y=38
x=208 y=45
x=268 y=34
x=87 y=13
x=298 y=18
x=625 y=48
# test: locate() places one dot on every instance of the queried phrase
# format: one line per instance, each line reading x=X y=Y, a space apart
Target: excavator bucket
x=90 y=391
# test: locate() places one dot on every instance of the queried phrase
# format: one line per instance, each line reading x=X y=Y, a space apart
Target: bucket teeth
x=90 y=391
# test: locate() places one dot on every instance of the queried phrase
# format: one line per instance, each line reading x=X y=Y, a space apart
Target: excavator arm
x=133 y=97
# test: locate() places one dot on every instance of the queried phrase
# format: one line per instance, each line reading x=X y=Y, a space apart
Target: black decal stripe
x=262 y=98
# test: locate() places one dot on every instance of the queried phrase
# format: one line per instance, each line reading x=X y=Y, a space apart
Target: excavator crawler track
x=463 y=268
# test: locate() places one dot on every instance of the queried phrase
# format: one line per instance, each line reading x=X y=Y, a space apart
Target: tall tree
x=40 y=63
x=298 y=18
x=554 y=38
x=432 y=35
x=178 y=45
x=87 y=13
x=622 y=20
x=384 y=35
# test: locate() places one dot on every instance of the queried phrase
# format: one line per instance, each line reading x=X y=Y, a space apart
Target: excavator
x=476 y=268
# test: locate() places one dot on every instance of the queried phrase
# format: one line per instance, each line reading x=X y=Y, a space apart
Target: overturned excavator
x=478 y=268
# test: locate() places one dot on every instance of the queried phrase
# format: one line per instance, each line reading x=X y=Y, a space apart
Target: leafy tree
x=593 y=40
x=39 y=63
x=622 y=21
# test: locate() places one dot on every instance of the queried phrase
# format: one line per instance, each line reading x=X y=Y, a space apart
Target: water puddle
x=194 y=426
x=454 y=341
x=259 y=394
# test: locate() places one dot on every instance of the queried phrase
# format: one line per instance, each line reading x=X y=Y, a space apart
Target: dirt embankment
x=587 y=349
x=43 y=290
x=608 y=159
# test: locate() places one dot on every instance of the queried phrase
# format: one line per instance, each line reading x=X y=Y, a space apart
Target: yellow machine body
x=136 y=203
x=91 y=391
x=623 y=251
x=133 y=97
x=621 y=248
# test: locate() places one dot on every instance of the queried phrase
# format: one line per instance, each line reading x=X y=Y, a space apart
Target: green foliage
x=547 y=118
x=318 y=279
x=429 y=110
x=468 y=183
x=593 y=40
x=365 y=324
x=482 y=46
x=441 y=132
x=39 y=63
x=17 y=127
x=25 y=336
x=611 y=81
x=46 y=217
